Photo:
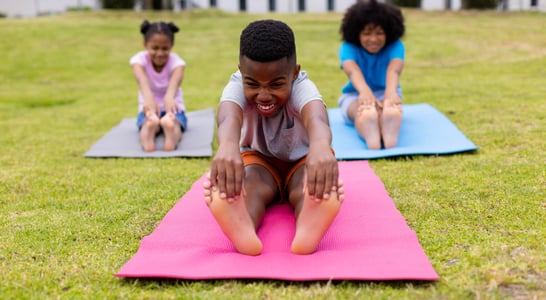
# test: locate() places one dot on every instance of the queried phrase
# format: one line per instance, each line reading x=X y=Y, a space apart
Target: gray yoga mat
x=123 y=139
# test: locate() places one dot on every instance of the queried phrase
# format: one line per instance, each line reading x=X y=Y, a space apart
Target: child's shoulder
x=175 y=60
x=139 y=58
x=142 y=53
x=397 y=45
x=302 y=76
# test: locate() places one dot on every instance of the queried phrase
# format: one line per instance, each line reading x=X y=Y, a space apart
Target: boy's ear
x=296 y=71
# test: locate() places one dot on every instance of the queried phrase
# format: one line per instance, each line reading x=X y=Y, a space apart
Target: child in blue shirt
x=372 y=56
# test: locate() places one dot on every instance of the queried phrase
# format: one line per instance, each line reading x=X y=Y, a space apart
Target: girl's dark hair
x=148 y=29
x=267 y=40
x=362 y=13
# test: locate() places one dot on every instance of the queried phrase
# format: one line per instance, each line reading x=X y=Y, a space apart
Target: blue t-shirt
x=373 y=66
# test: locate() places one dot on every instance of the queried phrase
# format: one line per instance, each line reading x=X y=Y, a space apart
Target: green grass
x=69 y=223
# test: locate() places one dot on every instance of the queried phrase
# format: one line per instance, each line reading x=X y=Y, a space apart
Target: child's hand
x=170 y=106
x=150 y=115
x=322 y=173
x=367 y=99
x=227 y=171
x=392 y=101
x=151 y=109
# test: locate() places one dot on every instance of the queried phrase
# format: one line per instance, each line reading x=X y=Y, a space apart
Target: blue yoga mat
x=424 y=131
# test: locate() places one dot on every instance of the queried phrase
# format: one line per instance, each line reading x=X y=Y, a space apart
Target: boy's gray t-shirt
x=283 y=135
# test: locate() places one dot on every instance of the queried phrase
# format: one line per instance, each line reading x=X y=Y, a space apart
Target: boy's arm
x=356 y=77
x=322 y=169
x=393 y=78
x=144 y=85
x=174 y=84
x=227 y=170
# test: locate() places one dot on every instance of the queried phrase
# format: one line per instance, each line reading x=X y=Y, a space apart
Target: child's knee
x=295 y=195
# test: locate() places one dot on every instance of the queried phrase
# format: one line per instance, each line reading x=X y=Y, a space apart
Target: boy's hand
x=322 y=172
x=227 y=171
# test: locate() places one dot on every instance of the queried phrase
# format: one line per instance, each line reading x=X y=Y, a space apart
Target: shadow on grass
x=411 y=157
x=38 y=103
x=158 y=283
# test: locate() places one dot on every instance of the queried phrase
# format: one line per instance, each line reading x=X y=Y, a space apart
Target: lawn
x=68 y=223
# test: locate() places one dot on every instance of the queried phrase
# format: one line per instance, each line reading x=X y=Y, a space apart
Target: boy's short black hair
x=148 y=29
x=267 y=40
x=362 y=13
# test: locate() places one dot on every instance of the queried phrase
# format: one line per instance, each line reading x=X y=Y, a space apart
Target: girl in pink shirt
x=159 y=74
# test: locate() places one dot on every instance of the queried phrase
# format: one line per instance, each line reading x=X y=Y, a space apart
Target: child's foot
x=172 y=131
x=391 y=119
x=314 y=219
x=234 y=220
x=367 y=125
x=147 y=135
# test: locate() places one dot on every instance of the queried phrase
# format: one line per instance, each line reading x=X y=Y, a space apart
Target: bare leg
x=391 y=119
x=312 y=218
x=172 y=131
x=148 y=131
x=367 y=125
x=240 y=219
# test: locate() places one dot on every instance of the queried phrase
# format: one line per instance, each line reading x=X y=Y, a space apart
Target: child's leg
x=240 y=218
x=148 y=131
x=172 y=131
x=391 y=119
x=367 y=125
x=312 y=218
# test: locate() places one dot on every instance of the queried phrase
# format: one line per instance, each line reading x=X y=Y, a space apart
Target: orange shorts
x=281 y=171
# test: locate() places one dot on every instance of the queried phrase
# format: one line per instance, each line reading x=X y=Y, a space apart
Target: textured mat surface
x=424 y=131
x=123 y=139
x=369 y=240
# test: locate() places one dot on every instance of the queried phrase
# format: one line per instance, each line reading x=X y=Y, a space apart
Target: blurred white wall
x=33 y=8
x=257 y=6
x=524 y=5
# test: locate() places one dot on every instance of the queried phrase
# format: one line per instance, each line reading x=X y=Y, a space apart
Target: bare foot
x=367 y=125
x=234 y=220
x=391 y=120
x=172 y=131
x=314 y=219
x=147 y=134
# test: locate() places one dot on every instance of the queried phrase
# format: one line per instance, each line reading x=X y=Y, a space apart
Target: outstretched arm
x=174 y=83
x=356 y=77
x=227 y=170
x=144 y=86
x=322 y=170
x=394 y=70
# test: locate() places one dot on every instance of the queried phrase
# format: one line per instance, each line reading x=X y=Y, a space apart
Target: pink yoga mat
x=369 y=240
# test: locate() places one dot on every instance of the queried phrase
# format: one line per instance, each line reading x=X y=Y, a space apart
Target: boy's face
x=268 y=86
x=372 y=38
x=159 y=46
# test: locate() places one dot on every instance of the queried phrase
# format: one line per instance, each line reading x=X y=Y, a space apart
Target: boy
x=274 y=145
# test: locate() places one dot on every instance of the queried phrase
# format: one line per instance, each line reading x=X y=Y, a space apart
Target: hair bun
x=173 y=27
x=144 y=26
